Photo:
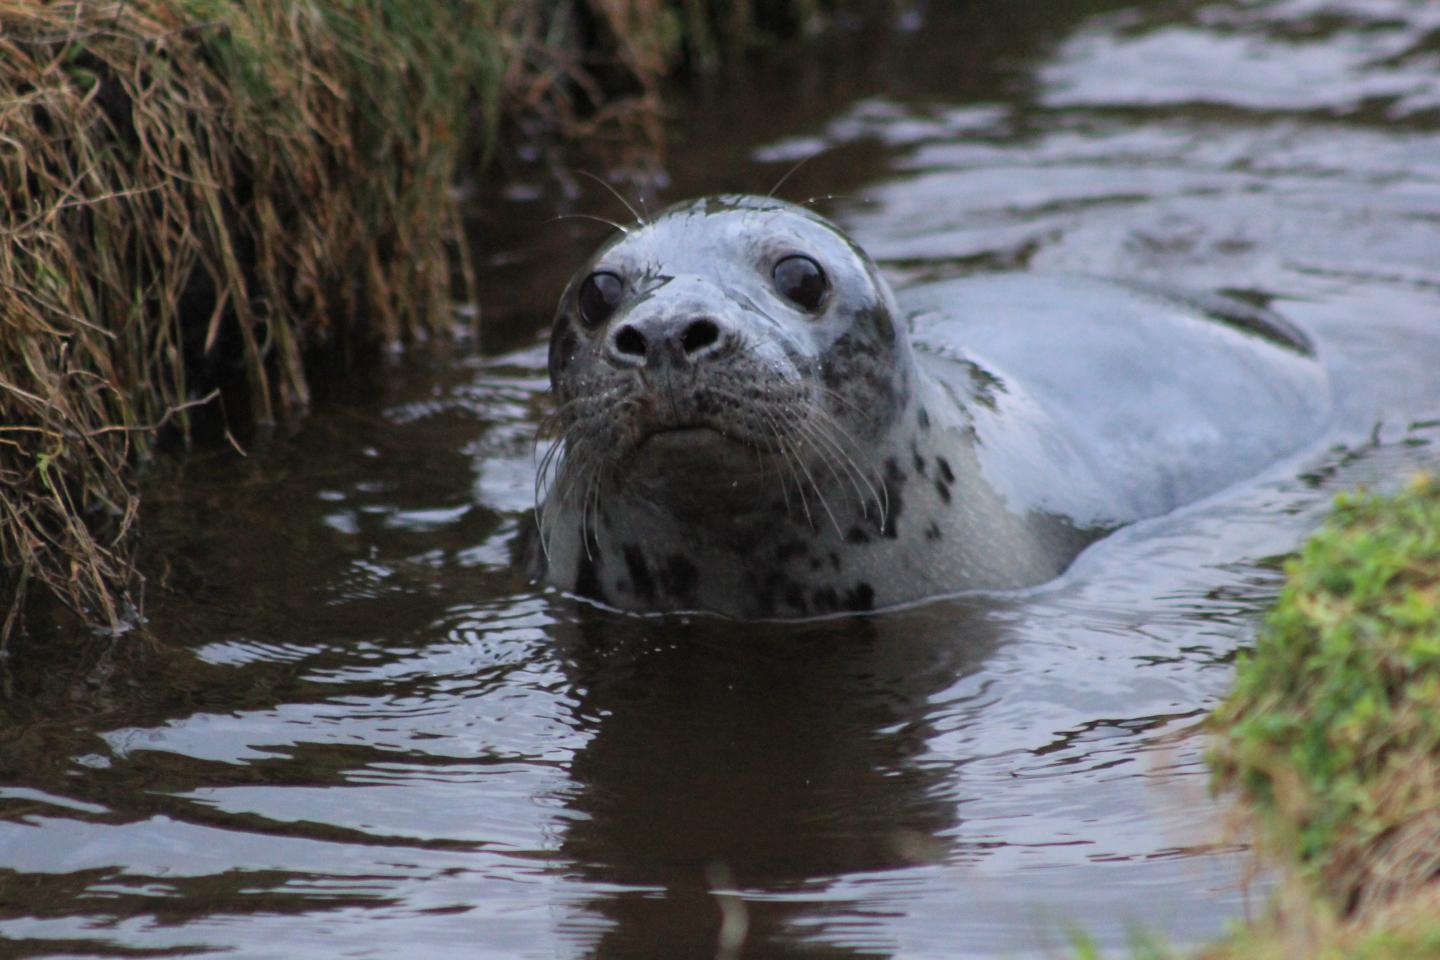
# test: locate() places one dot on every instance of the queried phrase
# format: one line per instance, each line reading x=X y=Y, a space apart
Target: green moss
x=1333 y=728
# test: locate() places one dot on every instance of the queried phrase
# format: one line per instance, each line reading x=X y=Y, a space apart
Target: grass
x=1333 y=728
x=199 y=198
x=193 y=191
x=1331 y=738
x=1297 y=927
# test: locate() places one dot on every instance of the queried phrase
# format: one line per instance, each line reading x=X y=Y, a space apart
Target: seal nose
x=656 y=340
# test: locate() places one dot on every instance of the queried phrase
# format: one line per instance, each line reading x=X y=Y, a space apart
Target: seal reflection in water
x=750 y=422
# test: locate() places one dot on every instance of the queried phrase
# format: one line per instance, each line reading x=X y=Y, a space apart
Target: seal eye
x=599 y=296
x=800 y=280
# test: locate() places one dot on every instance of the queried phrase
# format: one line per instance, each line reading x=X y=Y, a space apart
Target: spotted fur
x=718 y=446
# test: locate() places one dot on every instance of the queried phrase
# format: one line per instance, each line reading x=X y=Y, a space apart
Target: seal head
x=699 y=359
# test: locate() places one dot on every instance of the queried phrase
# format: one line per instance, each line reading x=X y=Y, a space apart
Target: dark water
x=364 y=735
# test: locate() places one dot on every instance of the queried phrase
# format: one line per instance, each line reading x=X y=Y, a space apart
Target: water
x=362 y=734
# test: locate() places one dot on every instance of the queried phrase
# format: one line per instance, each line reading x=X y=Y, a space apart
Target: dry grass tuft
x=191 y=187
x=203 y=193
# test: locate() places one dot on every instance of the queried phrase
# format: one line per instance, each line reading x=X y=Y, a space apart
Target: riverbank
x=1332 y=736
x=207 y=201
x=1331 y=741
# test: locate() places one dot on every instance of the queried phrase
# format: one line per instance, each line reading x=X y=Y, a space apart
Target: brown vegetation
x=202 y=193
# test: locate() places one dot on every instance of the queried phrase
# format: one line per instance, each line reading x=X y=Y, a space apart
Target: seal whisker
x=784 y=485
x=596 y=493
x=821 y=438
x=547 y=481
x=584 y=489
x=833 y=196
x=859 y=481
x=815 y=487
x=788 y=459
x=590 y=216
x=555 y=426
x=882 y=494
x=542 y=491
x=777 y=437
x=830 y=393
x=831 y=432
x=591 y=495
x=791 y=172
x=560 y=473
x=806 y=433
x=575 y=475
x=569 y=466
x=792 y=461
x=616 y=193
x=564 y=465
x=778 y=434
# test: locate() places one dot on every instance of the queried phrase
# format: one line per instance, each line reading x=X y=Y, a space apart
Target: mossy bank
x=200 y=200
x=1330 y=740
x=1332 y=733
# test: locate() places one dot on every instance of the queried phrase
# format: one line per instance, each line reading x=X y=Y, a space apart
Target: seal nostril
x=698 y=335
x=631 y=341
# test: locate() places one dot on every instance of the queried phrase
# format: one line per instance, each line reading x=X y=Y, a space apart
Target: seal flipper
x=1233 y=310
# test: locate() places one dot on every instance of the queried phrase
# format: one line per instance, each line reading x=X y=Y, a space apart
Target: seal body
x=749 y=422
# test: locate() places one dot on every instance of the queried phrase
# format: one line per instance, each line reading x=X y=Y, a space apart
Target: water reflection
x=788 y=756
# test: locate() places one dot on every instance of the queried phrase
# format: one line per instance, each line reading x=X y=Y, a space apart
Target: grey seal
x=750 y=422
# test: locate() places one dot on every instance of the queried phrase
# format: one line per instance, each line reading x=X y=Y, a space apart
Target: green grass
x=1333 y=728
x=1331 y=740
